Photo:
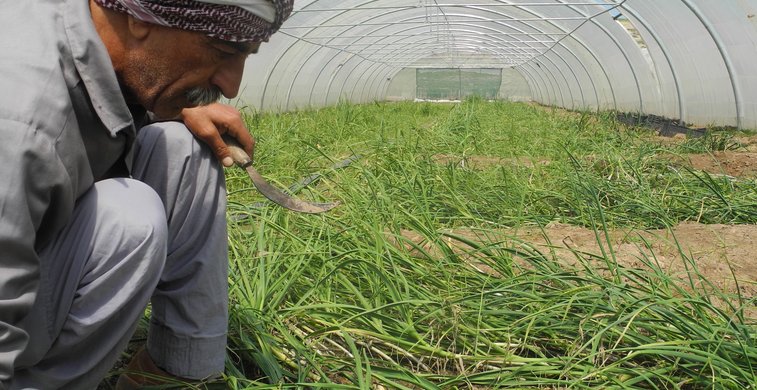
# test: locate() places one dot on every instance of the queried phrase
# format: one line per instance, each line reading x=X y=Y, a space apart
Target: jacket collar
x=95 y=68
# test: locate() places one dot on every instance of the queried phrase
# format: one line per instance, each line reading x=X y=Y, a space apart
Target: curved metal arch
x=664 y=50
x=528 y=11
x=294 y=78
x=281 y=56
x=371 y=78
x=394 y=9
x=342 y=88
x=566 y=83
x=349 y=74
x=289 y=91
x=320 y=72
x=485 y=38
x=612 y=38
x=575 y=77
x=604 y=71
x=546 y=88
x=737 y=94
x=555 y=92
x=533 y=83
x=567 y=34
x=452 y=30
x=374 y=79
x=586 y=47
x=333 y=77
x=486 y=10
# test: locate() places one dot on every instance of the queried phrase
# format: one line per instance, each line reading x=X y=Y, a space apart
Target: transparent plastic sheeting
x=692 y=60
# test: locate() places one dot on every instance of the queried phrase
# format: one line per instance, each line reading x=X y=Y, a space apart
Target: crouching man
x=104 y=206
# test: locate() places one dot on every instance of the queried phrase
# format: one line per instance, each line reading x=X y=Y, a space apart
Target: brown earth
x=740 y=163
x=749 y=143
x=731 y=163
x=723 y=254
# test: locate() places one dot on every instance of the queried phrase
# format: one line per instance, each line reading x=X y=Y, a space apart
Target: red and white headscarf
x=228 y=20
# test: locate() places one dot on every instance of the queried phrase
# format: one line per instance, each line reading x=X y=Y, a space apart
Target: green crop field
x=382 y=293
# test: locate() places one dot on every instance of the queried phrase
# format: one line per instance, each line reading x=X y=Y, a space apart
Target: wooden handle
x=238 y=154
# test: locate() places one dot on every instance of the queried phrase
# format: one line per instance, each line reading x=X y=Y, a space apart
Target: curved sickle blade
x=281 y=198
x=242 y=159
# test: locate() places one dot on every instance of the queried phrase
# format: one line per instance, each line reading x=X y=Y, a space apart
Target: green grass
x=328 y=301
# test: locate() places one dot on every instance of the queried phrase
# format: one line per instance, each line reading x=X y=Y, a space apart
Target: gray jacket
x=63 y=125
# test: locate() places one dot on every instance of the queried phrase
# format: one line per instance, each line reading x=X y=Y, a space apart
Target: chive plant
x=345 y=300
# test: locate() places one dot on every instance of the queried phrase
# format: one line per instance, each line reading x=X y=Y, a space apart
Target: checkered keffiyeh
x=223 y=21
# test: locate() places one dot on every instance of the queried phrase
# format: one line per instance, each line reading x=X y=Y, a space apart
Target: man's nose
x=228 y=77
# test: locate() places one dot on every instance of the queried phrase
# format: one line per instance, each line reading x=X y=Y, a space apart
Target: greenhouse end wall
x=512 y=85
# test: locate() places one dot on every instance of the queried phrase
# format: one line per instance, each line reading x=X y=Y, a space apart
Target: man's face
x=173 y=69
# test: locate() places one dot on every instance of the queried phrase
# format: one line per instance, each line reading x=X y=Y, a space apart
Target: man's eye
x=226 y=51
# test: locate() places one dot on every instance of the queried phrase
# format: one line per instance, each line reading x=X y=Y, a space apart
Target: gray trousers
x=158 y=237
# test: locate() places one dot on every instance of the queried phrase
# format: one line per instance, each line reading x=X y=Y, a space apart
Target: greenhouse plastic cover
x=689 y=60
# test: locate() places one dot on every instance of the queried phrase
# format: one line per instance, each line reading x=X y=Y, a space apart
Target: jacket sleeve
x=32 y=188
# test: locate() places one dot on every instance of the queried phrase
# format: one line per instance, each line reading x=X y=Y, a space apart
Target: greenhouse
x=688 y=60
x=546 y=194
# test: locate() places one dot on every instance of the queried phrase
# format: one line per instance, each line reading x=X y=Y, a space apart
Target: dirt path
x=723 y=254
x=739 y=163
x=732 y=163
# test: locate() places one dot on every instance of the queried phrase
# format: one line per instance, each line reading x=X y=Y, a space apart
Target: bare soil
x=740 y=163
x=731 y=163
x=723 y=254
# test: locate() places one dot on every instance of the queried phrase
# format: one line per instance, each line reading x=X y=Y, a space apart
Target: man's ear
x=138 y=29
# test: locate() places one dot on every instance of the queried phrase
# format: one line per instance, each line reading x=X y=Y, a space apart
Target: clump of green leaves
x=345 y=300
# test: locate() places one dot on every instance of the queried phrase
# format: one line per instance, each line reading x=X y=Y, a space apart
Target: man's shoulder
x=32 y=35
x=36 y=64
x=29 y=23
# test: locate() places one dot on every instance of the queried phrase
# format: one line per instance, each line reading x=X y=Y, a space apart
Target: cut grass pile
x=331 y=301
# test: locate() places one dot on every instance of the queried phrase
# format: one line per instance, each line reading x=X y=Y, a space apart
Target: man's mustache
x=199 y=96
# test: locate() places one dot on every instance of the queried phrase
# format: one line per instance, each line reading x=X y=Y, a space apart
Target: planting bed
x=487 y=245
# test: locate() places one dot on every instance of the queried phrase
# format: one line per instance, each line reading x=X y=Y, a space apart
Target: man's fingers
x=209 y=122
x=227 y=161
x=236 y=128
x=246 y=141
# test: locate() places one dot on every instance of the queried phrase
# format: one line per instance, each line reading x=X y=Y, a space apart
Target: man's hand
x=209 y=122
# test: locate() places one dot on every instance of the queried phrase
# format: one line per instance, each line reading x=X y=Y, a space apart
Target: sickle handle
x=238 y=154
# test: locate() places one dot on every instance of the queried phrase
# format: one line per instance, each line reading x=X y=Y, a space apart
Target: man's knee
x=174 y=139
x=181 y=169
x=107 y=261
x=131 y=224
